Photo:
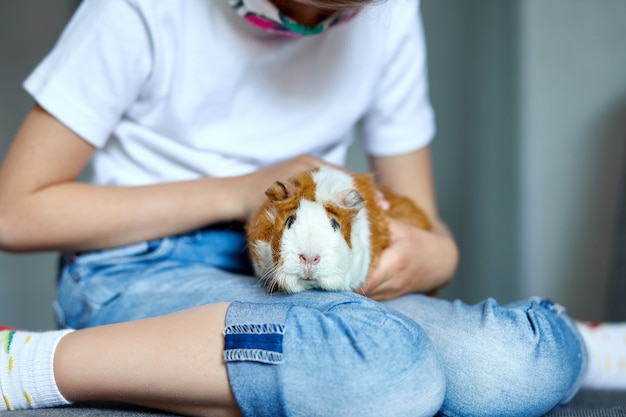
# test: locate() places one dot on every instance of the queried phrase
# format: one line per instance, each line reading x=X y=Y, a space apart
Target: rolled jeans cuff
x=253 y=347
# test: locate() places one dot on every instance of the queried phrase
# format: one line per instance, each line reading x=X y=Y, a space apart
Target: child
x=187 y=111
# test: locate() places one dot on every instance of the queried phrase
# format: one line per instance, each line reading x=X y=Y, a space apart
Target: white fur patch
x=330 y=181
x=264 y=265
x=340 y=267
x=311 y=235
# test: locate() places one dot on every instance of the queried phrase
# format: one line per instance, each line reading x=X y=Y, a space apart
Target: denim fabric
x=154 y=278
x=320 y=353
x=341 y=355
x=520 y=359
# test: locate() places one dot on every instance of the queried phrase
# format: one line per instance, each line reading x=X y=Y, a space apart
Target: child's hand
x=416 y=260
x=253 y=185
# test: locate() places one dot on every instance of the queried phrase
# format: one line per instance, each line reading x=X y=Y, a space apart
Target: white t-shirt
x=171 y=90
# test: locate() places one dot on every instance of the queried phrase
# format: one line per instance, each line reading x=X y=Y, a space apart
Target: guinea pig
x=324 y=229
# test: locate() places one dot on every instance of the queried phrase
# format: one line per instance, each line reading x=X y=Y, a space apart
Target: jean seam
x=88 y=261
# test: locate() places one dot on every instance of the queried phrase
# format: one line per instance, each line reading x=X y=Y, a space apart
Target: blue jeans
x=321 y=353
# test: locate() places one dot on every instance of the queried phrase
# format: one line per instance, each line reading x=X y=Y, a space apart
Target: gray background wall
x=529 y=158
x=28 y=29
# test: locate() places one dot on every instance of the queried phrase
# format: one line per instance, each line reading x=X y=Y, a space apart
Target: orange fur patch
x=269 y=222
x=344 y=217
x=379 y=227
x=404 y=209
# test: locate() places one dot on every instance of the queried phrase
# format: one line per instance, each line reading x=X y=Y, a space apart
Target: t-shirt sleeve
x=401 y=118
x=96 y=69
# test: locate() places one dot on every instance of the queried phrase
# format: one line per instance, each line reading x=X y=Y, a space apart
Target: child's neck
x=302 y=13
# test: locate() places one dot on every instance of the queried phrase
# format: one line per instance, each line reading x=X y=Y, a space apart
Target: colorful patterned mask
x=265 y=15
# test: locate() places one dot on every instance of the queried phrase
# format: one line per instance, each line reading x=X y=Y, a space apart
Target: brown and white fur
x=324 y=229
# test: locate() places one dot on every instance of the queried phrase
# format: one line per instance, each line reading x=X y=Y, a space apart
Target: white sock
x=26 y=370
x=606 y=344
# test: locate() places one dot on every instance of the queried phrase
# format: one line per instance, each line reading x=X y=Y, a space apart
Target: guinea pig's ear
x=280 y=191
x=349 y=198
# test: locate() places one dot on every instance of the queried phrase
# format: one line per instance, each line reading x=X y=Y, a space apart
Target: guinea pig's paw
x=334 y=285
x=293 y=288
x=285 y=282
x=271 y=287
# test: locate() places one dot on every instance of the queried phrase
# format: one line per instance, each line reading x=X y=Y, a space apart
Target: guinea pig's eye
x=290 y=221
x=335 y=224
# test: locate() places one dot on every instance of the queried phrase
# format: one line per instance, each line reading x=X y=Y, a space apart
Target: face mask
x=264 y=15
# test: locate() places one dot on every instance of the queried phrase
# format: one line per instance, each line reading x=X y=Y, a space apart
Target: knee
x=555 y=358
x=527 y=361
x=377 y=363
x=350 y=357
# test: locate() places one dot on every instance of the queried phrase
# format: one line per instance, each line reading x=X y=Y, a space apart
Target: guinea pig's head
x=316 y=223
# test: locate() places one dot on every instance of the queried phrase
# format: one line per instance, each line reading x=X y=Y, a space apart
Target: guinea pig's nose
x=309 y=259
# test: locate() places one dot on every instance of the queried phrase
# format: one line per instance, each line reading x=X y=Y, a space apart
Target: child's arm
x=417 y=260
x=42 y=207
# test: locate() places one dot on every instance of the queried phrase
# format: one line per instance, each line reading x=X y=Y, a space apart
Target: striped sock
x=26 y=370
x=606 y=344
